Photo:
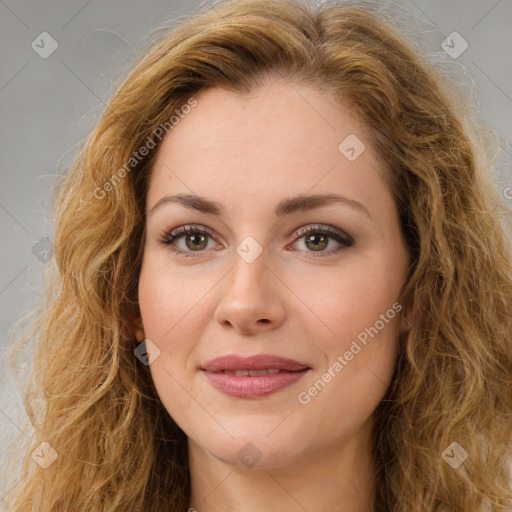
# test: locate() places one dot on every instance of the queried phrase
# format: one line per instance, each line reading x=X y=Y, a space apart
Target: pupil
x=316 y=242
x=197 y=242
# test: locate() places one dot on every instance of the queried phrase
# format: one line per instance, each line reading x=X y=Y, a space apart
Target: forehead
x=281 y=139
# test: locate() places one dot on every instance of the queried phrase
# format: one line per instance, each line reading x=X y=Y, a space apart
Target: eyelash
x=167 y=238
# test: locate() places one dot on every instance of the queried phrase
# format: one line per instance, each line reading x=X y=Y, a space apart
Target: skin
x=248 y=153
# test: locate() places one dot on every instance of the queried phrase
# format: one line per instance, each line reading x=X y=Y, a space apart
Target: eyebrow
x=285 y=207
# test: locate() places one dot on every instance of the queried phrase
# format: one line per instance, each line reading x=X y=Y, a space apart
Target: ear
x=406 y=321
x=138 y=329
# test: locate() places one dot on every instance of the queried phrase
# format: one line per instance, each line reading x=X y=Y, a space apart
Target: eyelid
x=322 y=228
x=169 y=236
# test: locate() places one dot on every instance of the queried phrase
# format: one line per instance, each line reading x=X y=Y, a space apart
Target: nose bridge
x=249 y=300
x=249 y=265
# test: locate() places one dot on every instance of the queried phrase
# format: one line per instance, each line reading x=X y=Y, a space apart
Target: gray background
x=48 y=105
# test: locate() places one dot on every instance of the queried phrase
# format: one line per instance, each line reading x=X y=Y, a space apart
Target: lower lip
x=253 y=387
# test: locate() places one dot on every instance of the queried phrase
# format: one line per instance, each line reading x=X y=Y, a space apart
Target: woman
x=281 y=281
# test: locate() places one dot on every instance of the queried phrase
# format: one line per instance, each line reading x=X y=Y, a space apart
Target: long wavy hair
x=94 y=402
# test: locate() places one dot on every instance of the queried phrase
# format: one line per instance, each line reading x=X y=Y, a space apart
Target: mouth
x=253 y=377
x=254 y=373
x=270 y=364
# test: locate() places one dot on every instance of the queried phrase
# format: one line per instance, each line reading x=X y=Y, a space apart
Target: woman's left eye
x=316 y=238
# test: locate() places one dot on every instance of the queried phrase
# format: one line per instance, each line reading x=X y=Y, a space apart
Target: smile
x=253 y=383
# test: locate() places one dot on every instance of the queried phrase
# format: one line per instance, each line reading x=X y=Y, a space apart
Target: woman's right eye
x=194 y=238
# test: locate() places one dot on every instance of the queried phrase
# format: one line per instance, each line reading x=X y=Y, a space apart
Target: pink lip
x=259 y=362
x=253 y=387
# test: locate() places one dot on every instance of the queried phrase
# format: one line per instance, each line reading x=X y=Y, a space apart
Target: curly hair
x=118 y=448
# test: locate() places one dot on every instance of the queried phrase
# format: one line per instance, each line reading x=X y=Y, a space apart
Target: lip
x=234 y=362
x=257 y=386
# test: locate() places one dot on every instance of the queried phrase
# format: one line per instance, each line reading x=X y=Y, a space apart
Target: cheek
x=169 y=300
x=175 y=312
x=171 y=308
x=157 y=303
x=345 y=301
x=355 y=321
x=359 y=345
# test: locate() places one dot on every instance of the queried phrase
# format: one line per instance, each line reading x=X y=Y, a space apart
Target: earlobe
x=406 y=321
x=138 y=328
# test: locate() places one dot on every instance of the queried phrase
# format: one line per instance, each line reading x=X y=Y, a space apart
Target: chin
x=254 y=451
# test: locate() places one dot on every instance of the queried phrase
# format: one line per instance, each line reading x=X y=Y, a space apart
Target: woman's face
x=251 y=285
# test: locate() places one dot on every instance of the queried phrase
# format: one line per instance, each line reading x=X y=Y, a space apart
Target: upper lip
x=233 y=362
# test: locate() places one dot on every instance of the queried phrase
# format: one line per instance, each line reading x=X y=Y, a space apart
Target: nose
x=250 y=301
